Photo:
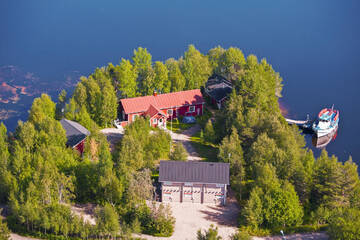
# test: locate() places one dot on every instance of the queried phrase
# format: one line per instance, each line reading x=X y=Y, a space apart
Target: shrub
x=179 y=153
x=241 y=235
x=159 y=222
x=210 y=234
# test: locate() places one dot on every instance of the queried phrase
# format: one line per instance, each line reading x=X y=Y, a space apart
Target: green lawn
x=178 y=126
x=207 y=151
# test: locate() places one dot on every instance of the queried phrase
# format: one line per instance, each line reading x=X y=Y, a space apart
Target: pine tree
x=327 y=189
x=253 y=211
x=209 y=133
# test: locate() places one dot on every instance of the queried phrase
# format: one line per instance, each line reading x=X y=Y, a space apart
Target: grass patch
x=178 y=126
x=207 y=151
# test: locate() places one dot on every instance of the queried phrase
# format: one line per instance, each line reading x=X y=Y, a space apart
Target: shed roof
x=218 y=87
x=197 y=172
x=162 y=101
x=75 y=132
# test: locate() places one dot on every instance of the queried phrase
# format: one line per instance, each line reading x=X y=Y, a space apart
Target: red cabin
x=161 y=107
x=75 y=134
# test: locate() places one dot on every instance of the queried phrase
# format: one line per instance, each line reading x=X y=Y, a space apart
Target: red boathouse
x=161 y=107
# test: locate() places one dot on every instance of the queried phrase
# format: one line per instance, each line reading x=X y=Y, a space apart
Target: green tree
x=209 y=133
x=327 y=189
x=126 y=76
x=231 y=63
x=345 y=225
x=175 y=76
x=4 y=231
x=108 y=107
x=107 y=220
x=41 y=108
x=60 y=105
x=147 y=85
x=215 y=55
x=253 y=211
x=195 y=68
x=142 y=61
x=80 y=93
x=161 y=80
x=5 y=175
x=140 y=187
x=179 y=153
x=230 y=151
x=282 y=207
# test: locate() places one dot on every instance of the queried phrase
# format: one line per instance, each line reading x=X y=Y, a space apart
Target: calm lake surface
x=315 y=45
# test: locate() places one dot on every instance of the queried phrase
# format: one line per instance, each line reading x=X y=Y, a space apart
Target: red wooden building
x=161 y=107
x=75 y=134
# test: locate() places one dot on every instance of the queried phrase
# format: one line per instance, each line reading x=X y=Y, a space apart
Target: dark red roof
x=162 y=101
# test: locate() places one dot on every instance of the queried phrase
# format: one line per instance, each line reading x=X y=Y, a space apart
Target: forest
x=277 y=181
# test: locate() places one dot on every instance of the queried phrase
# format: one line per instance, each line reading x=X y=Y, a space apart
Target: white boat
x=326 y=123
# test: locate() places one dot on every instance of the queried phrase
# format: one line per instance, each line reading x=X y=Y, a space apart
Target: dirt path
x=14 y=236
x=113 y=135
x=184 y=138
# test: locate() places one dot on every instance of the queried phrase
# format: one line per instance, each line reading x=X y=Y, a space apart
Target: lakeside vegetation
x=278 y=182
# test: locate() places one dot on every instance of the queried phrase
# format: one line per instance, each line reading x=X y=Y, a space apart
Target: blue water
x=313 y=44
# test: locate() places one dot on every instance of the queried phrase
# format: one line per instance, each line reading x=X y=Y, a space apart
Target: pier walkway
x=306 y=124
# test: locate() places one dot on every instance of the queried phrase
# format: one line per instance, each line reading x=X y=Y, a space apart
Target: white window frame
x=191 y=109
x=170 y=112
x=154 y=120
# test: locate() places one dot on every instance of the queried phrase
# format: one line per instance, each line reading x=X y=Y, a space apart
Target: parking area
x=190 y=217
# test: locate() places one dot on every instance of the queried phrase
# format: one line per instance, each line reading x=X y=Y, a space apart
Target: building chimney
x=155 y=93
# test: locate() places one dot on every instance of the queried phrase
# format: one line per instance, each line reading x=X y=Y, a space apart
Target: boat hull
x=323 y=141
x=324 y=132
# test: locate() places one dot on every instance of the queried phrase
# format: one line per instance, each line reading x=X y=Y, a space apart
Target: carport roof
x=195 y=172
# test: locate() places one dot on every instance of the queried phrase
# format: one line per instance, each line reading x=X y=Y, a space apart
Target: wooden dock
x=297 y=122
x=305 y=124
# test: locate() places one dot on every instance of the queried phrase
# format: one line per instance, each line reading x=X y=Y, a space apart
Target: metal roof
x=162 y=101
x=218 y=87
x=195 y=172
x=75 y=132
